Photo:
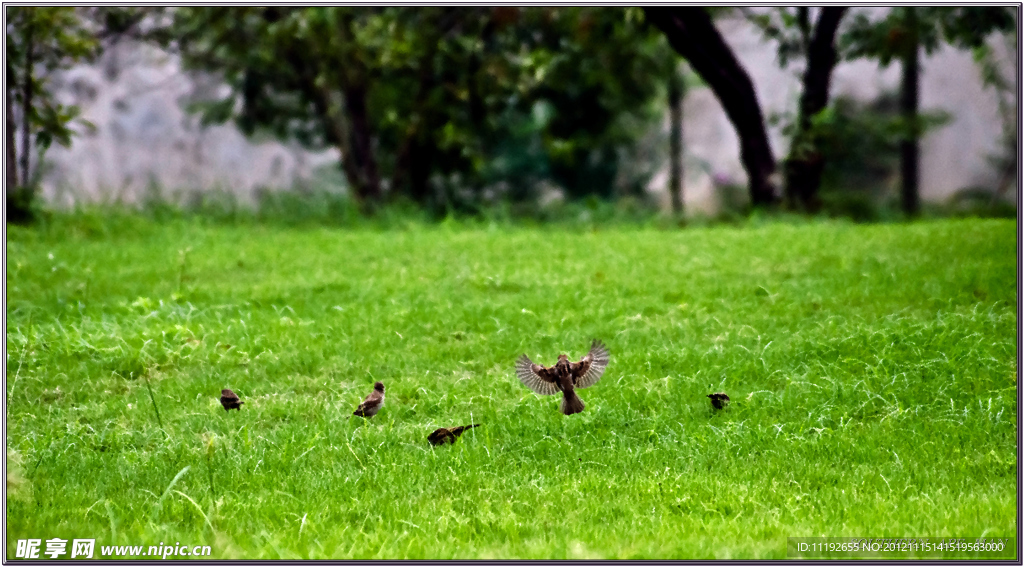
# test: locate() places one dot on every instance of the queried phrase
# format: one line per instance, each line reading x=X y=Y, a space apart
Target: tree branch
x=693 y=35
x=805 y=164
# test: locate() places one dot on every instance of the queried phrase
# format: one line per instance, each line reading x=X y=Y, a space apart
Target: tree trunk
x=362 y=144
x=12 y=156
x=805 y=163
x=675 y=104
x=909 y=151
x=337 y=117
x=26 y=113
x=693 y=35
x=339 y=134
x=350 y=124
x=19 y=208
x=415 y=156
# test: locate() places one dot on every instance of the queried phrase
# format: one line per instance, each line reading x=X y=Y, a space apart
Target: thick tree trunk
x=349 y=130
x=362 y=153
x=339 y=134
x=415 y=162
x=805 y=163
x=693 y=35
x=675 y=104
x=358 y=162
x=350 y=124
x=909 y=151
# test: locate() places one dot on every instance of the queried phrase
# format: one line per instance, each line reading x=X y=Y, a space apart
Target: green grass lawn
x=872 y=371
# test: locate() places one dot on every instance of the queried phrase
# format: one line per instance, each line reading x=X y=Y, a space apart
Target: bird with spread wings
x=564 y=376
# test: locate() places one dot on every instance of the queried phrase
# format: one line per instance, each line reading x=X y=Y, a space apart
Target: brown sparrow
x=230 y=400
x=371 y=405
x=443 y=435
x=564 y=376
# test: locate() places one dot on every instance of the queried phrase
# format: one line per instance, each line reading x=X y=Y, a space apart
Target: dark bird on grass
x=371 y=405
x=443 y=435
x=230 y=400
x=564 y=376
x=719 y=400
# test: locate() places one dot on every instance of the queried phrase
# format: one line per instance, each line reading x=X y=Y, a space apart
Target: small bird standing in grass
x=564 y=376
x=719 y=400
x=372 y=404
x=443 y=435
x=230 y=400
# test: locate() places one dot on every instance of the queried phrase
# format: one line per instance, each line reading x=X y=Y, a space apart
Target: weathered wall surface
x=144 y=137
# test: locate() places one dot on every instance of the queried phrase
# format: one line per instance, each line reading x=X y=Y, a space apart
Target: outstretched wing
x=535 y=376
x=589 y=369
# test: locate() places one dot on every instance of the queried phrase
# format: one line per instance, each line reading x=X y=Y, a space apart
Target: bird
x=719 y=400
x=371 y=405
x=230 y=400
x=443 y=435
x=564 y=376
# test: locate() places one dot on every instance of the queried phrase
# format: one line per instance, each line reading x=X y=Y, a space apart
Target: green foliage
x=40 y=42
x=993 y=77
x=604 y=72
x=871 y=368
x=964 y=27
x=463 y=104
x=789 y=28
x=861 y=136
x=859 y=143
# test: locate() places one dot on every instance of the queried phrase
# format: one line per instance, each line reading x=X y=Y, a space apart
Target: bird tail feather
x=571 y=403
x=460 y=429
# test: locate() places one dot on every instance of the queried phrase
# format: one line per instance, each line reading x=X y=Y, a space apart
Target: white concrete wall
x=143 y=136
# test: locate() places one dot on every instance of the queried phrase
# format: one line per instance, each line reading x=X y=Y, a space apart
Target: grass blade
x=160 y=502
x=155 y=409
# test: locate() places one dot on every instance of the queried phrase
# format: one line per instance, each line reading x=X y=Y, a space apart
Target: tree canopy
x=441 y=105
x=40 y=41
x=451 y=107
